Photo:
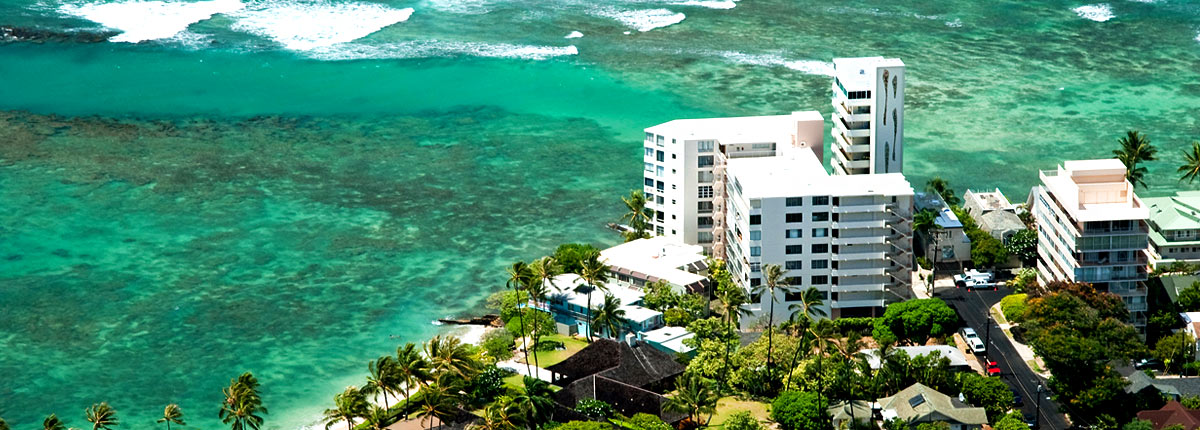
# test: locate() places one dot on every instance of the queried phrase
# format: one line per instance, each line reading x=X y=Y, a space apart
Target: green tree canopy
x=742 y=420
x=1176 y=350
x=915 y=321
x=1013 y=307
x=1189 y=298
x=991 y=394
x=572 y=256
x=1138 y=425
x=1011 y=421
x=1023 y=245
x=800 y=410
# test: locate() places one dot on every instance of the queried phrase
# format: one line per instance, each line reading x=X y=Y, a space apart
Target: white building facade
x=850 y=237
x=868 y=116
x=1092 y=228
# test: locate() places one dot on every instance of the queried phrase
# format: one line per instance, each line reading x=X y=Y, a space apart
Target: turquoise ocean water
x=294 y=187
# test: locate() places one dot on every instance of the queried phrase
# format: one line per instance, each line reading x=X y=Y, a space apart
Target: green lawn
x=728 y=405
x=550 y=358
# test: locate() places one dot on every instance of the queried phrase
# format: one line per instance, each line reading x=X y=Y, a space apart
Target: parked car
x=1148 y=363
x=973 y=340
x=975 y=280
x=1017 y=400
x=993 y=369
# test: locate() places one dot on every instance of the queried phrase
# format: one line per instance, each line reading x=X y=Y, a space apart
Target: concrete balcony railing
x=871 y=271
x=852 y=164
x=849 y=130
x=844 y=225
x=863 y=240
x=858 y=288
x=860 y=208
x=859 y=256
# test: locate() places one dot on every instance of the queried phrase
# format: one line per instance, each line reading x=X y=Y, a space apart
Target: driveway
x=972 y=307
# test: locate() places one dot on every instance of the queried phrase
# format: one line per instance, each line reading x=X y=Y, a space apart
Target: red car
x=993 y=369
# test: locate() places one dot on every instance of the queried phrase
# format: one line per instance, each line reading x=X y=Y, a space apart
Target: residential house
x=630 y=375
x=1174 y=388
x=640 y=262
x=1174 y=228
x=994 y=213
x=921 y=404
x=1173 y=414
x=952 y=244
x=568 y=302
x=957 y=360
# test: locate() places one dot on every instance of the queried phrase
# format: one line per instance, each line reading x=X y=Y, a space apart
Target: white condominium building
x=868 y=116
x=848 y=236
x=683 y=159
x=1092 y=228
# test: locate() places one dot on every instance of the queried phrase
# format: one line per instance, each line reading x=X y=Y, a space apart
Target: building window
x=755 y=267
x=705 y=191
x=704 y=237
x=820 y=280
x=704 y=222
x=755 y=219
x=660 y=185
x=820 y=264
x=649 y=167
x=754 y=282
x=649 y=152
x=659 y=140
x=755 y=234
x=793 y=249
x=658 y=230
x=649 y=182
x=704 y=207
x=820 y=248
x=660 y=215
x=755 y=251
x=704 y=161
x=791 y=201
x=820 y=200
x=794 y=233
x=820 y=216
x=704 y=146
x=658 y=171
x=793 y=264
x=662 y=156
x=704 y=177
x=820 y=232
x=796 y=217
x=649 y=137
x=659 y=199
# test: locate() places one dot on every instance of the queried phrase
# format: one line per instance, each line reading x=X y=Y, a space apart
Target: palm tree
x=437 y=403
x=377 y=417
x=774 y=281
x=448 y=355
x=595 y=275
x=243 y=404
x=172 y=414
x=411 y=369
x=102 y=416
x=1135 y=148
x=1191 y=168
x=53 y=423
x=694 y=396
x=499 y=415
x=348 y=405
x=382 y=378
x=939 y=186
x=535 y=404
x=542 y=272
x=610 y=317
x=518 y=279
x=4 y=424
x=638 y=215
x=732 y=298
x=804 y=313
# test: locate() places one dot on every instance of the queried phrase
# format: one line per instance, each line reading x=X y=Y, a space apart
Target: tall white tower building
x=868 y=116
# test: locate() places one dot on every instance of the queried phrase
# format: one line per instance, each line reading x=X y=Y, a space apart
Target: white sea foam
x=1198 y=37
x=1095 y=12
x=435 y=48
x=711 y=4
x=303 y=26
x=954 y=24
x=643 y=19
x=812 y=67
x=462 y=7
x=574 y=35
x=149 y=20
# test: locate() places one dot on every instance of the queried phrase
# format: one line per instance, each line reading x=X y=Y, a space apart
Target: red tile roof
x=1171 y=414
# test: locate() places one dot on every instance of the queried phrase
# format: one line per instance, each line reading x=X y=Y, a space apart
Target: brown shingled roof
x=1171 y=414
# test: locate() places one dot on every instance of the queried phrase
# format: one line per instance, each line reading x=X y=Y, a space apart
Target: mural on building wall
x=892 y=105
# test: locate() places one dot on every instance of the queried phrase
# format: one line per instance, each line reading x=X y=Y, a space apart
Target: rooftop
x=1178 y=212
x=800 y=173
x=639 y=314
x=988 y=201
x=919 y=403
x=735 y=130
x=1172 y=414
x=947 y=219
x=956 y=357
x=669 y=337
x=1000 y=220
x=565 y=285
x=658 y=257
x=858 y=73
x=1094 y=190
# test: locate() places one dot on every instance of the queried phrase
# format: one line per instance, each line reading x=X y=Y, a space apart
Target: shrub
x=847 y=325
x=797 y=410
x=584 y=425
x=742 y=420
x=488 y=385
x=1013 y=307
x=594 y=409
x=643 y=421
x=1025 y=280
x=991 y=394
x=1012 y=421
x=499 y=344
x=924 y=263
x=549 y=345
x=676 y=317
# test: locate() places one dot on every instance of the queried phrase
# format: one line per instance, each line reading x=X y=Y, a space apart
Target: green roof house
x=1174 y=228
x=921 y=404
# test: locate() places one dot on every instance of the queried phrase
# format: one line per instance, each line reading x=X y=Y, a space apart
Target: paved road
x=973 y=307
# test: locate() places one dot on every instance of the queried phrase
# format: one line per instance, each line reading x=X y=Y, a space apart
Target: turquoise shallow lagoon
x=178 y=211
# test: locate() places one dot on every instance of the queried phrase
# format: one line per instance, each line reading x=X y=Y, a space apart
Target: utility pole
x=987 y=335
x=1037 y=415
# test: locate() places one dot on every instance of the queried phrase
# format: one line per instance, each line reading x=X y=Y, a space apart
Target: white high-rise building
x=1092 y=228
x=683 y=158
x=848 y=236
x=868 y=116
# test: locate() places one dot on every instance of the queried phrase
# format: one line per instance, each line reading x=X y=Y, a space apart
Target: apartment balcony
x=844 y=225
x=1130 y=292
x=870 y=271
x=860 y=208
x=841 y=141
x=863 y=130
x=1136 y=307
x=869 y=303
x=859 y=256
x=858 y=288
x=851 y=164
x=851 y=114
x=862 y=240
